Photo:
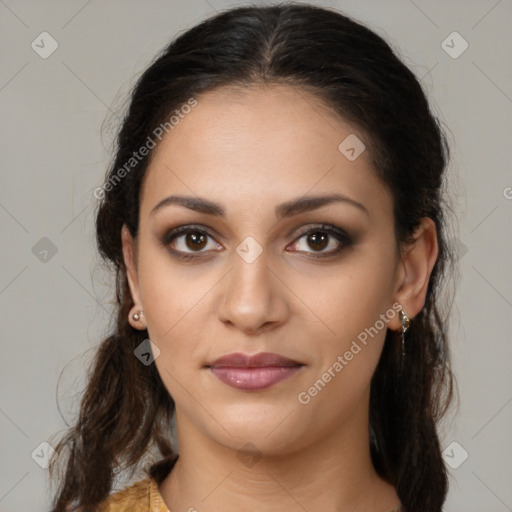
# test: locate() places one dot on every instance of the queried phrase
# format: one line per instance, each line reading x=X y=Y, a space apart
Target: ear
x=415 y=268
x=130 y=260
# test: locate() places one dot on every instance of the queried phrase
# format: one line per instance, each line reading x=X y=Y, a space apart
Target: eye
x=322 y=237
x=184 y=241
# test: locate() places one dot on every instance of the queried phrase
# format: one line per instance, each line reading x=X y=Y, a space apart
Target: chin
x=270 y=435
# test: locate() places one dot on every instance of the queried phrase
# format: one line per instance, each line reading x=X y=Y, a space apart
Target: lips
x=253 y=372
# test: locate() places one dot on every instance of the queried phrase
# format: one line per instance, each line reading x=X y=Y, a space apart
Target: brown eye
x=188 y=242
x=195 y=240
x=318 y=240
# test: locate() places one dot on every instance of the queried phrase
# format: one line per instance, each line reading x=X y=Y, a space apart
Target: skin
x=249 y=152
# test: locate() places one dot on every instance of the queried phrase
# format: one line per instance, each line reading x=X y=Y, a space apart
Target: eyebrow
x=287 y=209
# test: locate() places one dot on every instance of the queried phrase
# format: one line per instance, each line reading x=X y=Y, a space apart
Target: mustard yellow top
x=143 y=496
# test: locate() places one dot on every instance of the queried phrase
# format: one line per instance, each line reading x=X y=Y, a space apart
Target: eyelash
x=331 y=230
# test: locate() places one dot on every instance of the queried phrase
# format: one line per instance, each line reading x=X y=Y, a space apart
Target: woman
x=275 y=219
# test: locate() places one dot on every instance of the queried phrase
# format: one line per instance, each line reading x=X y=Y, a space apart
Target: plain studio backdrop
x=67 y=68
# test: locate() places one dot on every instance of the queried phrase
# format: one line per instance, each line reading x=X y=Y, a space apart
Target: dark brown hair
x=126 y=411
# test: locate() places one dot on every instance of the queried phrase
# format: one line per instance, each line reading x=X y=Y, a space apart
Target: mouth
x=253 y=372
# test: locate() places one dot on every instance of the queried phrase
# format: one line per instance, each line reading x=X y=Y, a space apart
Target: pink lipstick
x=253 y=372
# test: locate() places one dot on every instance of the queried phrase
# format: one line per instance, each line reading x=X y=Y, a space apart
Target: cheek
x=173 y=307
x=347 y=354
x=169 y=293
x=345 y=300
x=346 y=308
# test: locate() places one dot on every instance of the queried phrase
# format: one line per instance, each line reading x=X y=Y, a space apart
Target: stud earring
x=136 y=316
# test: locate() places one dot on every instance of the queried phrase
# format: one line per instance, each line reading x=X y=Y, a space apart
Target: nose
x=253 y=298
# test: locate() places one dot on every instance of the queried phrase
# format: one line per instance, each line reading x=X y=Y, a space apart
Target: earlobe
x=417 y=263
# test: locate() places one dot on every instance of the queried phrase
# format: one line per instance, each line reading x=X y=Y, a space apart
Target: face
x=260 y=271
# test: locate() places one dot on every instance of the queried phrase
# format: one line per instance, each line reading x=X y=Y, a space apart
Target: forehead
x=260 y=145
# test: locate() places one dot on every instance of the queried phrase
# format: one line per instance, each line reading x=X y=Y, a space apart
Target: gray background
x=57 y=128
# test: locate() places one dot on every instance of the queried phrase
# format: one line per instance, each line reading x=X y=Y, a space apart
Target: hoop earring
x=405 y=322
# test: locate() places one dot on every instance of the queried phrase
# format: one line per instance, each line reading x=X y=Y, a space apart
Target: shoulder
x=134 y=498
